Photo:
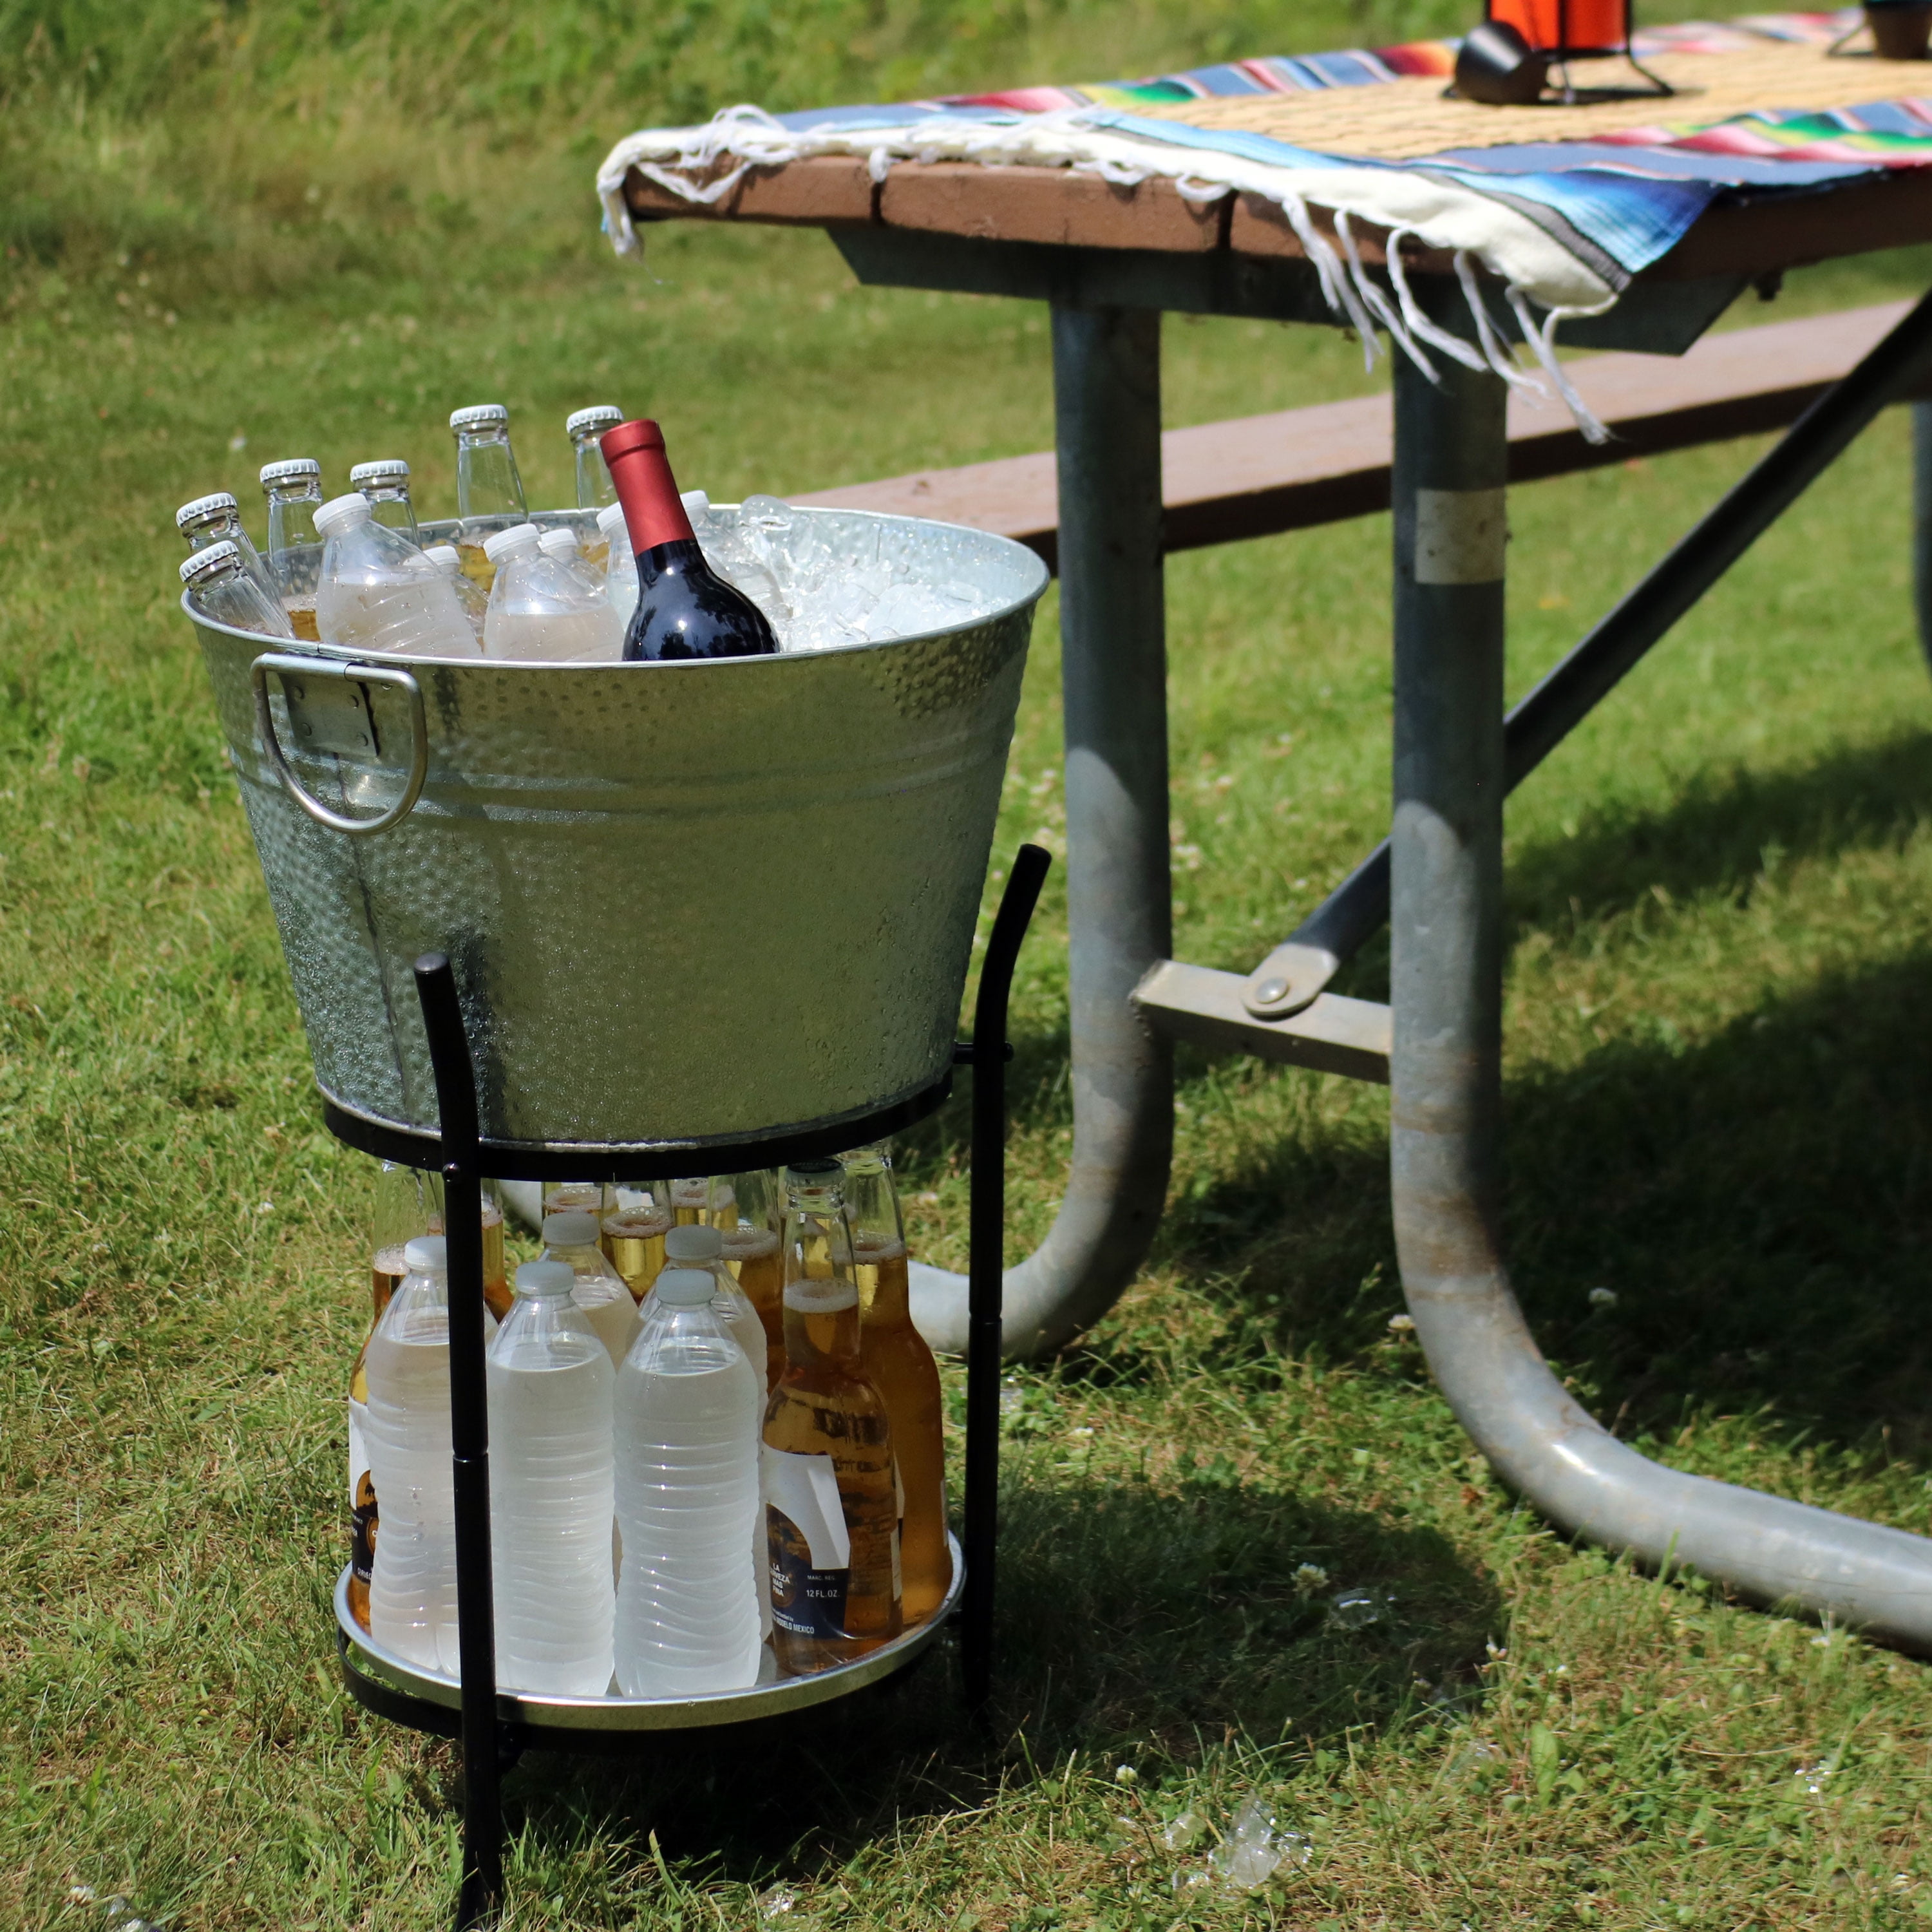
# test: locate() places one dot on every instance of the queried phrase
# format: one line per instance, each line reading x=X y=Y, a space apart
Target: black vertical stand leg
x=482 y=1888
x=987 y=1267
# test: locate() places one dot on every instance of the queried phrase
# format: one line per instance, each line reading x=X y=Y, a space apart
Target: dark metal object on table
x=987 y=1264
x=1901 y=30
x=1496 y=65
x=1560 y=32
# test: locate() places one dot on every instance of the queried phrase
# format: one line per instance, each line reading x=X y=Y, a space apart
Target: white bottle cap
x=599 y=416
x=684 y=1288
x=384 y=469
x=546 y=1278
x=506 y=543
x=572 y=1228
x=294 y=469
x=695 y=1242
x=479 y=415
x=559 y=543
x=610 y=520
x=696 y=503
x=342 y=513
x=212 y=561
x=202 y=507
x=444 y=557
x=427 y=1254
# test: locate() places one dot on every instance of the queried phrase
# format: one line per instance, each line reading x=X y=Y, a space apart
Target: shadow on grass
x=1130 y=1616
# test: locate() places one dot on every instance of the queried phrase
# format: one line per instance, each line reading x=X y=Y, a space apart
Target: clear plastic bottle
x=469 y=594
x=559 y=544
x=221 y=589
x=378 y=592
x=899 y=1365
x=831 y=1514
x=385 y=482
x=633 y=1233
x=750 y=1229
x=408 y=1204
x=704 y=1247
x=594 y=486
x=293 y=488
x=412 y=1586
x=489 y=492
x=550 y=1380
x=620 y=566
x=217 y=519
x=733 y=555
x=687 y=1404
x=539 y=612
x=601 y=1292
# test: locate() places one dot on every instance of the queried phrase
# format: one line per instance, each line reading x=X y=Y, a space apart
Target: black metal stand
x=487 y=1742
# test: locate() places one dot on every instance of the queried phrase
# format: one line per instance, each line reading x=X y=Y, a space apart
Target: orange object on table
x=1567 y=26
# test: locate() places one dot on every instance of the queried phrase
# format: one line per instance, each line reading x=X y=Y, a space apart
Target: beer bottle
x=385 y=482
x=585 y=428
x=217 y=519
x=489 y=491
x=897 y=1363
x=633 y=1234
x=831 y=1518
x=409 y=1203
x=294 y=490
x=750 y=1226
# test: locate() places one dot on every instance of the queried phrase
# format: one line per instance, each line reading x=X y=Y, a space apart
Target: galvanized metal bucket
x=688 y=904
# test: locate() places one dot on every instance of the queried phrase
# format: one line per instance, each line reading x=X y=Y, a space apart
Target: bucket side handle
x=295 y=672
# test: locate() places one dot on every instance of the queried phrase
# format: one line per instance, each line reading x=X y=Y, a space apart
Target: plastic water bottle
x=378 y=592
x=688 y=1408
x=413 y=1583
x=473 y=601
x=600 y=1292
x=702 y=1246
x=560 y=544
x=221 y=589
x=620 y=567
x=385 y=482
x=550 y=1499
x=540 y=610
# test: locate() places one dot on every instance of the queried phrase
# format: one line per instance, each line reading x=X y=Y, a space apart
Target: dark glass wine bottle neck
x=669 y=560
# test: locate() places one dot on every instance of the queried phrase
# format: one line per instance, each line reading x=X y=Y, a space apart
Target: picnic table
x=1347 y=190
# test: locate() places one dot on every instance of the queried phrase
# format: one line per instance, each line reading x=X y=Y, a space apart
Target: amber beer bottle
x=408 y=1203
x=685 y=609
x=633 y=1234
x=831 y=1518
x=897 y=1363
x=748 y=1210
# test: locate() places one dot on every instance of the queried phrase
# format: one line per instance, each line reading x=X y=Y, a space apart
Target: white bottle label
x=806 y=1490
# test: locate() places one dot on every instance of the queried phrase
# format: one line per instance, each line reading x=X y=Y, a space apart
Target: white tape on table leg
x=1459 y=536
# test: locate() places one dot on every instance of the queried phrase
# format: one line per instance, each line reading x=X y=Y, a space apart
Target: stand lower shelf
x=395 y=1688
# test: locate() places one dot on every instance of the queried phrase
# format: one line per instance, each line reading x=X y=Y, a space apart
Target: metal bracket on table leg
x=988 y=1236
x=1446 y=1101
x=480 y=1898
x=1106 y=373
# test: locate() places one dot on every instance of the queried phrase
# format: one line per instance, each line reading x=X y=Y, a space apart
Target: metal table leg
x=1446 y=1076
x=1921 y=523
x=1106 y=370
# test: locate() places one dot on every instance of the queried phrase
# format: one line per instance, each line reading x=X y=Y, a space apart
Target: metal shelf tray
x=394 y=1688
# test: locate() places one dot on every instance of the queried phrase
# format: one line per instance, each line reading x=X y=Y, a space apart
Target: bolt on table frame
x=1438 y=879
x=495 y=1729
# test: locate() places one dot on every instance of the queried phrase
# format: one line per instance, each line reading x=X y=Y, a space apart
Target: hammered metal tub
x=687 y=904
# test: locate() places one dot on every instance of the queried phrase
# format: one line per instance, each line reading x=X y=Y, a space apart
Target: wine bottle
x=685 y=609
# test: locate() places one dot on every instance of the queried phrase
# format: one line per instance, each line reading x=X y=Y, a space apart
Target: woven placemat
x=1406 y=119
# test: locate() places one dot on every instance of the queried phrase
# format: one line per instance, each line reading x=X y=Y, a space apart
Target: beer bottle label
x=361 y=1499
x=810 y=1551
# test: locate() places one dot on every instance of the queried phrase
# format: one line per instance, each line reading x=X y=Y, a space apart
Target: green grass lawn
x=1721 y=906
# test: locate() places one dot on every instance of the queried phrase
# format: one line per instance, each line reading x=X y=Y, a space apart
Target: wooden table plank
x=1295 y=469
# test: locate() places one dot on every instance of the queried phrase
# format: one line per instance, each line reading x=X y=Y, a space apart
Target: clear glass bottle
x=900 y=1365
x=594 y=486
x=385 y=482
x=294 y=490
x=216 y=519
x=633 y=1231
x=574 y=1197
x=750 y=1229
x=835 y=1581
x=408 y=1204
x=221 y=589
x=489 y=492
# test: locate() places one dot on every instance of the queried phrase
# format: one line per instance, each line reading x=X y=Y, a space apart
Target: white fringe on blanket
x=1438 y=214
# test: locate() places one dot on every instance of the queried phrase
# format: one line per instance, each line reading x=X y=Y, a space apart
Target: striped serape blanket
x=1562 y=205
